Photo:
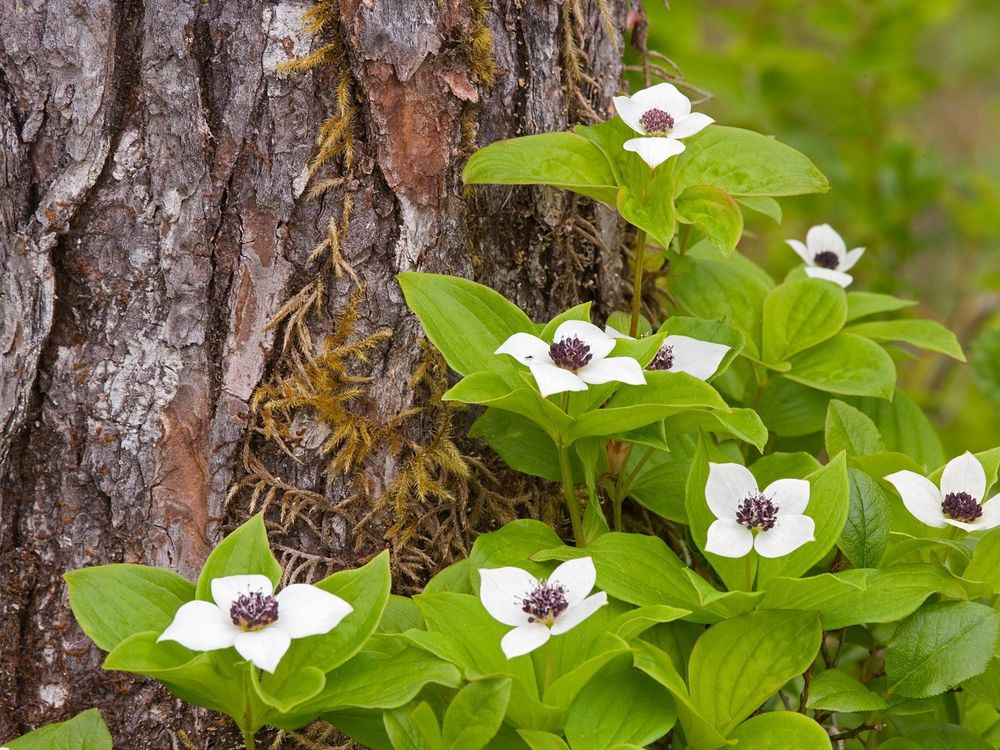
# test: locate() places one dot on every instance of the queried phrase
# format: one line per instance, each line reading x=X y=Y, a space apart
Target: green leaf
x=850 y=430
x=522 y=444
x=475 y=714
x=781 y=730
x=904 y=427
x=846 y=364
x=745 y=163
x=490 y=389
x=940 y=646
x=466 y=321
x=515 y=543
x=624 y=707
x=853 y=597
x=866 y=532
x=800 y=314
x=714 y=212
x=245 y=551
x=577 y=312
x=792 y=410
x=829 y=500
x=923 y=334
x=298 y=687
x=413 y=728
x=946 y=737
x=538 y=740
x=863 y=304
x=113 y=602
x=562 y=160
x=738 y=664
x=769 y=207
x=649 y=207
x=85 y=731
x=835 y=690
x=985 y=563
x=986 y=363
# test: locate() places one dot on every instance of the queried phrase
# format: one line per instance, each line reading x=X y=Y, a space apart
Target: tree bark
x=167 y=253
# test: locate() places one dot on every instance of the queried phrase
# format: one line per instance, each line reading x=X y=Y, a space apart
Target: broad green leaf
x=738 y=664
x=515 y=543
x=522 y=444
x=660 y=483
x=775 y=466
x=413 y=728
x=800 y=314
x=792 y=410
x=623 y=707
x=769 y=207
x=745 y=163
x=866 y=532
x=562 y=160
x=743 y=424
x=863 y=304
x=538 y=740
x=490 y=389
x=475 y=713
x=577 y=312
x=940 y=646
x=610 y=136
x=904 y=427
x=854 y=597
x=848 y=429
x=466 y=321
x=923 y=334
x=648 y=206
x=456 y=577
x=714 y=212
x=829 y=500
x=846 y=364
x=835 y=690
x=986 y=686
x=85 y=731
x=245 y=551
x=946 y=737
x=112 y=602
x=985 y=563
x=986 y=363
x=298 y=687
x=781 y=730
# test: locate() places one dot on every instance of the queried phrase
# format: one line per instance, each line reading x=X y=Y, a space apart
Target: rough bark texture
x=155 y=218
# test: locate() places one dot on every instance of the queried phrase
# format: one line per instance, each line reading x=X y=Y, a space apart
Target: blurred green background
x=898 y=103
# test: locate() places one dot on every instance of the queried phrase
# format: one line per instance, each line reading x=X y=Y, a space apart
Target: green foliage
x=85 y=731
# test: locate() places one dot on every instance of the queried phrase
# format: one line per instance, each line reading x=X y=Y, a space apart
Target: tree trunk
x=193 y=289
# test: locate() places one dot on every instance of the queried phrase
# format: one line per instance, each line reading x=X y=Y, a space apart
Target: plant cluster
x=787 y=600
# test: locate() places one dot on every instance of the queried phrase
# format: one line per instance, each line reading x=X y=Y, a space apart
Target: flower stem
x=548 y=667
x=639 y=258
x=248 y=739
x=569 y=491
x=748 y=570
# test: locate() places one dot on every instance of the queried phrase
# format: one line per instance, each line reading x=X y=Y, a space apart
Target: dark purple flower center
x=656 y=122
x=757 y=512
x=254 y=610
x=663 y=360
x=570 y=353
x=961 y=506
x=827 y=259
x=545 y=603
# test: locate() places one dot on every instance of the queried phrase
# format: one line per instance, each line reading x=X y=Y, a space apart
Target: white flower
x=578 y=355
x=957 y=502
x=772 y=521
x=259 y=625
x=537 y=609
x=826 y=255
x=662 y=114
x=680 y=353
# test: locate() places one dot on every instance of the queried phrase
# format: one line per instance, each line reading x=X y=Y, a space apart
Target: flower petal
x=991 y=514
x=526 y=349
x=663 y=96
x=728 y=538
x=802 y=250
x=787 y=535
x=688 y=126
x=630 y=112
x=822 y=237
x=654 y=151
x=551 y=379
x=201 y=626
x=698 y=358
x=305 y=610
x=227 y=590
x=790 y=495
x=599 y=342
x=827 y=274
x=524 y=639
x=962 y=525
x=616 y=334
x=501 y=591
x=573 y=616
x=577 y=578
x=612 y=369
x=964 y=474
x=852 y=257
x=263 y=648
x=920 y=497
x=728 y=485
